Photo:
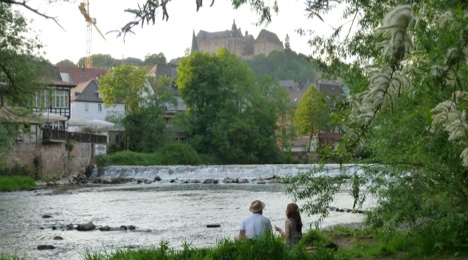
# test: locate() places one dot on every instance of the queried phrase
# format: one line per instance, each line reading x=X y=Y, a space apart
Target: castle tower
x=194 y=44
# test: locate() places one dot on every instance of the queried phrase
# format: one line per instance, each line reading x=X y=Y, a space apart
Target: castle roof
x=265 y=35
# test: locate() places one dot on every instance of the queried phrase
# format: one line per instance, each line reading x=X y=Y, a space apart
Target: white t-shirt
x=255 y=225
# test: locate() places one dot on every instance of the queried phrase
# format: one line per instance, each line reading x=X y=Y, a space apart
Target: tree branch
x=25 y=5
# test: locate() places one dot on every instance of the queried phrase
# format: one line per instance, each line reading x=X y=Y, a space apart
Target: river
x=176 y=209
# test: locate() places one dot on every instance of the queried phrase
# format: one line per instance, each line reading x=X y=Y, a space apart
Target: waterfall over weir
x=187 y=172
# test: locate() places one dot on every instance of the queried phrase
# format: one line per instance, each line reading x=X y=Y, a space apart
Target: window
x=42 y=98
x=99 y=107
x=86 y=107
x=61 y=99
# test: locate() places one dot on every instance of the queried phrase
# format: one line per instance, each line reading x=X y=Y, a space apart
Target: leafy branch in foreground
x=407 y=115
x=146 y=13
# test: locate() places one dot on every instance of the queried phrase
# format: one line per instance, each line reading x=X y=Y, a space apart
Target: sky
x=170 y=37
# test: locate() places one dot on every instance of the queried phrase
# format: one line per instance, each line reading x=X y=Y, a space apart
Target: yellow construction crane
x=90 y=22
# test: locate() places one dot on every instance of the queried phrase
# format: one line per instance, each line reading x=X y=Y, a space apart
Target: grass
x=13 y=183
x=353 y=243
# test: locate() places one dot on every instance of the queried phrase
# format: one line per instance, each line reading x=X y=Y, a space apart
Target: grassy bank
x=13 y=183
x=338 y=243
x=351 y=243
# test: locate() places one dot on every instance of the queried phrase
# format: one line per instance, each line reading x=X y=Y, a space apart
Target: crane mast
x=90 y=22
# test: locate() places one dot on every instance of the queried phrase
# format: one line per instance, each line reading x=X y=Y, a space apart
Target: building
x=87 y=102
x=244 y=45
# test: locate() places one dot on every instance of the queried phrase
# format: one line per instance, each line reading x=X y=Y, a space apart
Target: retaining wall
x=51 y=161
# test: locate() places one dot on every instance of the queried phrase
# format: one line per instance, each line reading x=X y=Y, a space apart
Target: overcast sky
x=170 y=37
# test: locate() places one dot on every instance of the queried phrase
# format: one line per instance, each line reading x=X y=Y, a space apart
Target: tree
x=286 y=131
x=101 y=61
x=65 y=63
x=284 y=65
x=228 y=116
x=155 y=59
x=311 y=113
x=287 y=44
x=124 y=84
x=20 y=71
x=406 y=115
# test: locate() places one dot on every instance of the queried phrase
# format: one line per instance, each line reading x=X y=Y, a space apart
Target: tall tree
x=279 y=98
x=22 y=71
x=145 y=128
x=229 y=117
x=124 y=84
x=311 y=113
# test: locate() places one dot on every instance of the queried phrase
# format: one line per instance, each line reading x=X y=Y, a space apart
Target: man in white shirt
x=256 y=224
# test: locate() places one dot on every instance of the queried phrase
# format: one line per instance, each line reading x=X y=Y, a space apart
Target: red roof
x=78 y=75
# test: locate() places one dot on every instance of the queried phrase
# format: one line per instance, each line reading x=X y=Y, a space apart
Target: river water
x=176 y=209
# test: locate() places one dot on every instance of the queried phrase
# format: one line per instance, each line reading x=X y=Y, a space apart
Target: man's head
x=257 y=206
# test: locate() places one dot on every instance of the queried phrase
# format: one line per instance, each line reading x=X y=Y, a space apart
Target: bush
x=134 y=158
x=177 y=153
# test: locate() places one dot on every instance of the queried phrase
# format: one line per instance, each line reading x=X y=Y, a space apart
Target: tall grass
x=12 y=183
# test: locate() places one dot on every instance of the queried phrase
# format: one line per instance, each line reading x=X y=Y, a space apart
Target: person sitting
x=292 y=226
x=256 y=224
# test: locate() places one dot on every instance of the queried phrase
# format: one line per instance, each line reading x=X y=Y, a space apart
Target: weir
x=211 y=171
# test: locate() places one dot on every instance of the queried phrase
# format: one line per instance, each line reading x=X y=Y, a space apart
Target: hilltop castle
x=244 y=46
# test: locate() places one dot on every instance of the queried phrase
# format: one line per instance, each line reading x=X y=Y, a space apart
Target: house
x=86 y=102
x=77 y=75
x=43 y=144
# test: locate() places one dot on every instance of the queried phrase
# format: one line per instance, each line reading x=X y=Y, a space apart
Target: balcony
x=60 y=136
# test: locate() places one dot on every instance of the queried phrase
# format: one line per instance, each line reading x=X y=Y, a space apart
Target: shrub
x=177 y=153
x=134 y=158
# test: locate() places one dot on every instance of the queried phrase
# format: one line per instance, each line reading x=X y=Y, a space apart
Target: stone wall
x=51 y=161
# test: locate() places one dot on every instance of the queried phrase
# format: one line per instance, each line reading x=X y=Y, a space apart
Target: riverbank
x=338 y=242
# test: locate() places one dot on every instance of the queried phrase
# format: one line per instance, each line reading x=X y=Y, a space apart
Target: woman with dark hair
x=292 y=226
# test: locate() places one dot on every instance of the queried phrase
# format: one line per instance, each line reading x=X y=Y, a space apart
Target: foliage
x=124 y=84
x=283 y=108
x=20 y=70
x=284 y=65
x=176 y=153
x=146 y=129
x=16 y=170
x=101 y=160
x=104 y=61
x=134 y=158
x=311 y=115
x=406 y=113
x=352 y=244
x=227 y=115
x=170 y=154
x=154 y=59
x=7 y=134
x=65 y=63
x=146 y=13
x=15 y=182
